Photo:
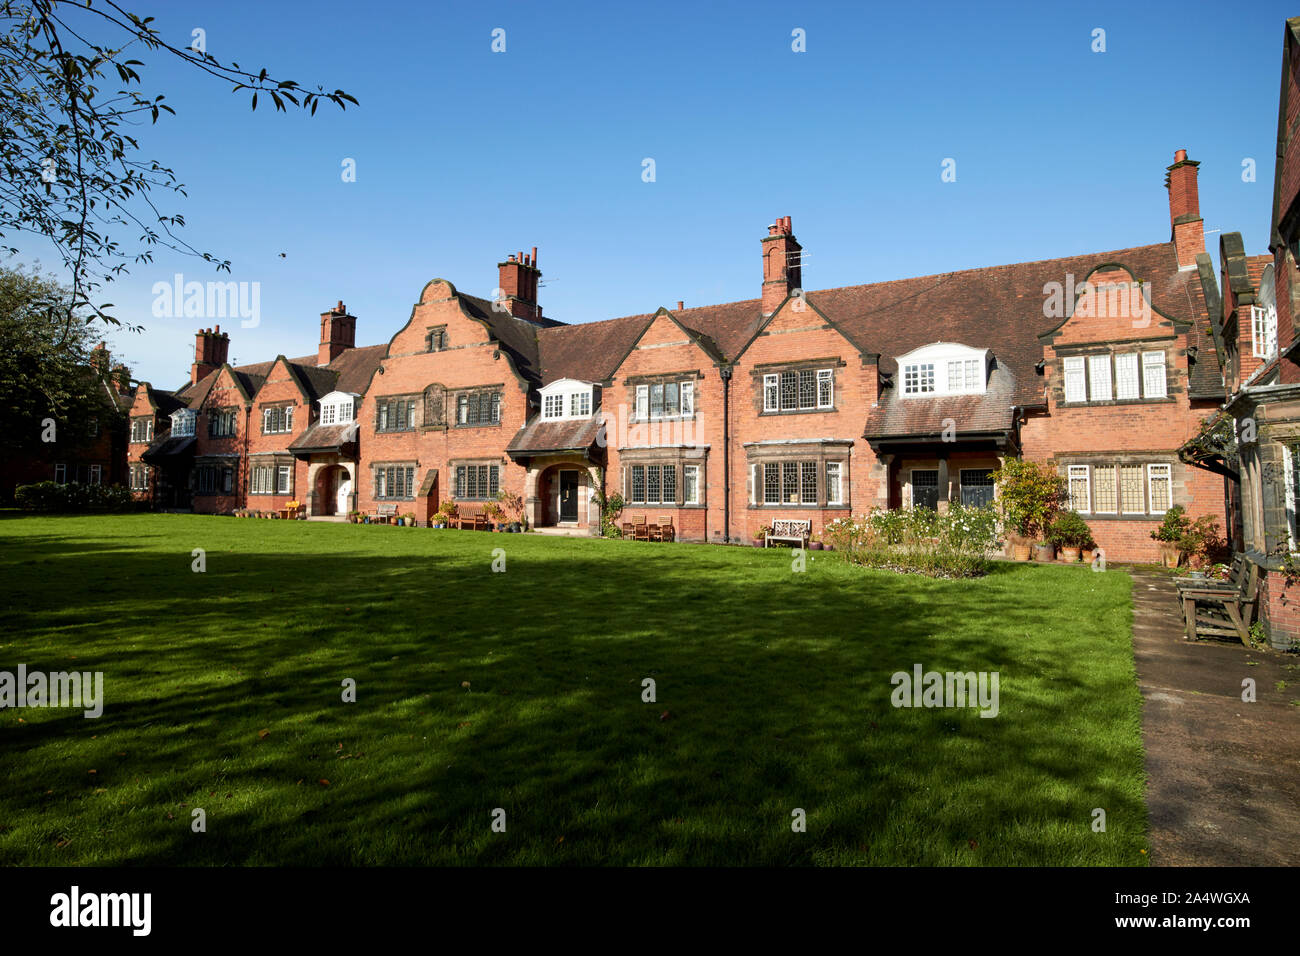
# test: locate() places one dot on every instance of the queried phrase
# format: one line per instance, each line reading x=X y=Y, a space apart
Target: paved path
x=1223 y=776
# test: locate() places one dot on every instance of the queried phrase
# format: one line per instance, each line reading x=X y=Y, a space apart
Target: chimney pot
x=534 y=257
x=1180 y=156
x=680 y=305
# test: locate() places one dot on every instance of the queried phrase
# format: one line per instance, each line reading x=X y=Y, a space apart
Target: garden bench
x=385 y=510
x=1216 y=611
x=666 y=530
x=640 y=530
x=470 y=518
x=793 y=530
x=1233 y=582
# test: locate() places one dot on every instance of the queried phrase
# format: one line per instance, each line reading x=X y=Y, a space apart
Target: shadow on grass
x=775 y=686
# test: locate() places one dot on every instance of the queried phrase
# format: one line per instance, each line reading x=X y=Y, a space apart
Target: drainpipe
x=724 y=373
x=243 y=465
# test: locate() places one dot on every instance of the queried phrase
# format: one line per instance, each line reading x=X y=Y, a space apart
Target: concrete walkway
x=1223 y=776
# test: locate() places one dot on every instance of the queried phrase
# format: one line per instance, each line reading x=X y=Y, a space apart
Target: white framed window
x=96 y=474
x=918 y=379
x=552 y=406
x=834 y=483
x=690 y=484
x=1126 y=376
x=579 y=403
x=1263 y=331
x=642 y=402
x=1160 y=486
x=183 y=423
x=284 y=479
x=1076 y=383
x=142 y=430
x=964 y=375
x=327 y=414
x=1099 y=376
x=1080 y=488
x=277 y=420
x=825 y=388
x=1153 y=374
x=61 y=474
x=771 y=388
x=688 y=399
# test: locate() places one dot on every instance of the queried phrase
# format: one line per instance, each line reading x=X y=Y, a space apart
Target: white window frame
x=1154 y=373
x=642 y=402
x=1073 y=370
x=693 y=470
x=1288 y=474
x=1263 y=331
x=837 y=484
x=284 y=487
x=1128 y=362
x=1098 y=364
x=1152 y=469
x=914 y=372
x=771 y=393
x=686 y=399
x=552 y=406
x=1075 y=472
x=827 y=376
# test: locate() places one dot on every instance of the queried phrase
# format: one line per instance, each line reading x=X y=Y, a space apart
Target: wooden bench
x=1219 y=611
x=470 y=518
x=666 y=530
x=793 y=530
x=385 y=511
x=1232 y=583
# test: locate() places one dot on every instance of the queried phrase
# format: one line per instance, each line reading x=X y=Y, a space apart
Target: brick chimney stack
x=99 y=359
x=519 y=277
x=338 y=333
x=1188 y=229
x=782 y=273
x=211 y=347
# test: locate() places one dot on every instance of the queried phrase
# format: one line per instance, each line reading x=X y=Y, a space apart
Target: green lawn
x=777 y=687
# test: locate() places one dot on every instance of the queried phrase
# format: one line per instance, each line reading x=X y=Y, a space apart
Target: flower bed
x=955 y=544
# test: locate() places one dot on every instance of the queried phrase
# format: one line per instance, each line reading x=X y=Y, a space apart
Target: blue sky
x=464 y=155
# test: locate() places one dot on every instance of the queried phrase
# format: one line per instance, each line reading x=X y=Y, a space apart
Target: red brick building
x=793 y=404
x=96 y=455
x=1255 y=440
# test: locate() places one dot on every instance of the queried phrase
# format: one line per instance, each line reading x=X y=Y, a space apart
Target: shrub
x=1175 y=527
x=1029 y=496
x=610 y=510
x=1069 y=530
x=50 y=497
x=1202 y=539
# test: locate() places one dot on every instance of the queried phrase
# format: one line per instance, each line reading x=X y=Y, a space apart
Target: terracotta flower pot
x=1069 y=555
x=1044 y=552
x=1088 y=554
x=1170 y=555
x=1020 y=550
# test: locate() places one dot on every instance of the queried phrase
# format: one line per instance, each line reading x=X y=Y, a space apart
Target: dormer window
x=944 y=368
x=337 y=408
x=183 y=423
x=567 y=398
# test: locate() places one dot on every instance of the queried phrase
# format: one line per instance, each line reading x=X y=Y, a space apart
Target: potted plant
x=815 y=542
x=511 y=506
x=760 y=536
x=1173 y=532
x=1071 y=534
x=1029 y=495
x=492 y=511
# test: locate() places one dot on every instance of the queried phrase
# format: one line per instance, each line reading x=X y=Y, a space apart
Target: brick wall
x=469 y=361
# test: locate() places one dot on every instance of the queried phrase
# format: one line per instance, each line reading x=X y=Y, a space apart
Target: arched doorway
x=333 y=490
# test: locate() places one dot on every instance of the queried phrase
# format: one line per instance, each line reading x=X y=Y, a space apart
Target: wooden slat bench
x=470 y=518
x=385 y=511
x=1220 y=612
x=793 y=530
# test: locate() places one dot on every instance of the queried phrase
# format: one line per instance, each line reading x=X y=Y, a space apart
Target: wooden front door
x=568 y=496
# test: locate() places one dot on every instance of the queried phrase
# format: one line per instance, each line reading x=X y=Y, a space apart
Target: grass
x=224 y=692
